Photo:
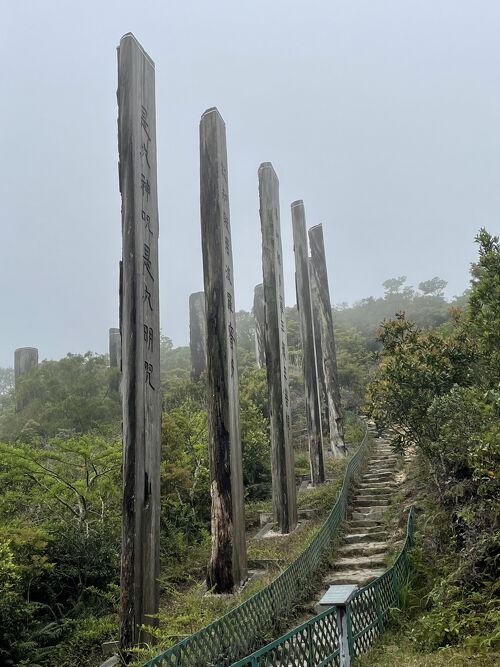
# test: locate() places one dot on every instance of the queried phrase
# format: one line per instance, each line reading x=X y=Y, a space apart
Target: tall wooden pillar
x=318 y=265
x=228 y=562
x=258 y=314
x=25 y=358
x=283 y=476
x=140 y=335
x=197 y=334
x=304 y=307
x=115 y=348
x=318 y=348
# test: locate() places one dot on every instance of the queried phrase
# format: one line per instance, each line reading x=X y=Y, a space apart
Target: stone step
x=368 y=513
x=388 y=484
x=360 y=577
x=364 y=521
x=367 y=494
x=377 y=477
x=377 y=490
x=380 y=467
x=360 y=562
x=377 y=514
x=364 y=549
x=379 y=462
x=375 y=536
x=370 y=501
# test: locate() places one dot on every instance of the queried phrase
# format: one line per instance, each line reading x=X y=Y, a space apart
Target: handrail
x=236 y=634
x=317 y=641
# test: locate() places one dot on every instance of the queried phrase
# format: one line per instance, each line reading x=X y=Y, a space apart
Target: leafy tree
x=59 y=517
x=74 y=394
x=70 y=477
x=6 y=380
x=415 y=367
x=245 y=340
x=484 y=306
x=255 y=437
x=6 y=389
x=433 y=287
x=394 y=285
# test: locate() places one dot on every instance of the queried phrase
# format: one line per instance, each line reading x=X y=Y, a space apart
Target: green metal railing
x=238 y=632
x=316 y=643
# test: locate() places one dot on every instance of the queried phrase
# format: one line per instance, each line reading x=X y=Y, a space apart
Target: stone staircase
x=362 y=557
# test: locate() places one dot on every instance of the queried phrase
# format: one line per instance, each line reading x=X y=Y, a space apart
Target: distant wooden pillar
x=115 y=348
x=318 y=348
x=258 y=314
x=318 y=265
x=283 y=475
x=228 y=562
x=304 y=307
x=140 y=335
x=197 y=334
x=25 y=358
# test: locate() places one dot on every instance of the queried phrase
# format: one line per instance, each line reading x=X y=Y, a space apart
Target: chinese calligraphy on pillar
x=140 y=333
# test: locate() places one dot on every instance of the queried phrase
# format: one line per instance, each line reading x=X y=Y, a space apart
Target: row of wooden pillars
x=213 y=338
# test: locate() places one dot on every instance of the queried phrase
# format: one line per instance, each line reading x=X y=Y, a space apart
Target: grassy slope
x=396 y=650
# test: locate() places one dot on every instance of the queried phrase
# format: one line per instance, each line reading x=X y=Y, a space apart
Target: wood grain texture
x=325 y=317
x=304 y=306
x=197 y=335
x=140 y=335
x=282 y=461
x=325 y=417
x=228 y=563
x=258 y=314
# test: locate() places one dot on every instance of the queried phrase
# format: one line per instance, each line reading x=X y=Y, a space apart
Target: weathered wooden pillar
x=304 y=307
x=25 y=358
x=197 y=334
x=140 y=335
x=318 y=265
x=115 y=348
x=228 y=562
x=258 y=314
x=283 y=475
x=318 y=348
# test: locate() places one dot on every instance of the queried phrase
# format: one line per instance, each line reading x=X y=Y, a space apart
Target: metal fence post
x=310 y=645
x=378 y=608
x=342 y=612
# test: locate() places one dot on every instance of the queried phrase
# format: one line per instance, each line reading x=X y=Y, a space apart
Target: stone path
x=363 y=555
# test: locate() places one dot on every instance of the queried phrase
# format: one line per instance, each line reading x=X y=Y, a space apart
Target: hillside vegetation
x=60 y=465
x=440 y=389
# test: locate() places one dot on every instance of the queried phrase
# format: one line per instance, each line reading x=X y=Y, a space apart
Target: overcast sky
x=382 y=115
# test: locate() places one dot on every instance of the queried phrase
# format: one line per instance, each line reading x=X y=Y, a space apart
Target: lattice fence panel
x=233 y=635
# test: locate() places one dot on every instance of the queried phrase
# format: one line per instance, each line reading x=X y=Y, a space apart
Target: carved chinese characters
x=140 y=334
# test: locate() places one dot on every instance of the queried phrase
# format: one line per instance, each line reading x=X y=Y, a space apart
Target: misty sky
x=382 y=115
